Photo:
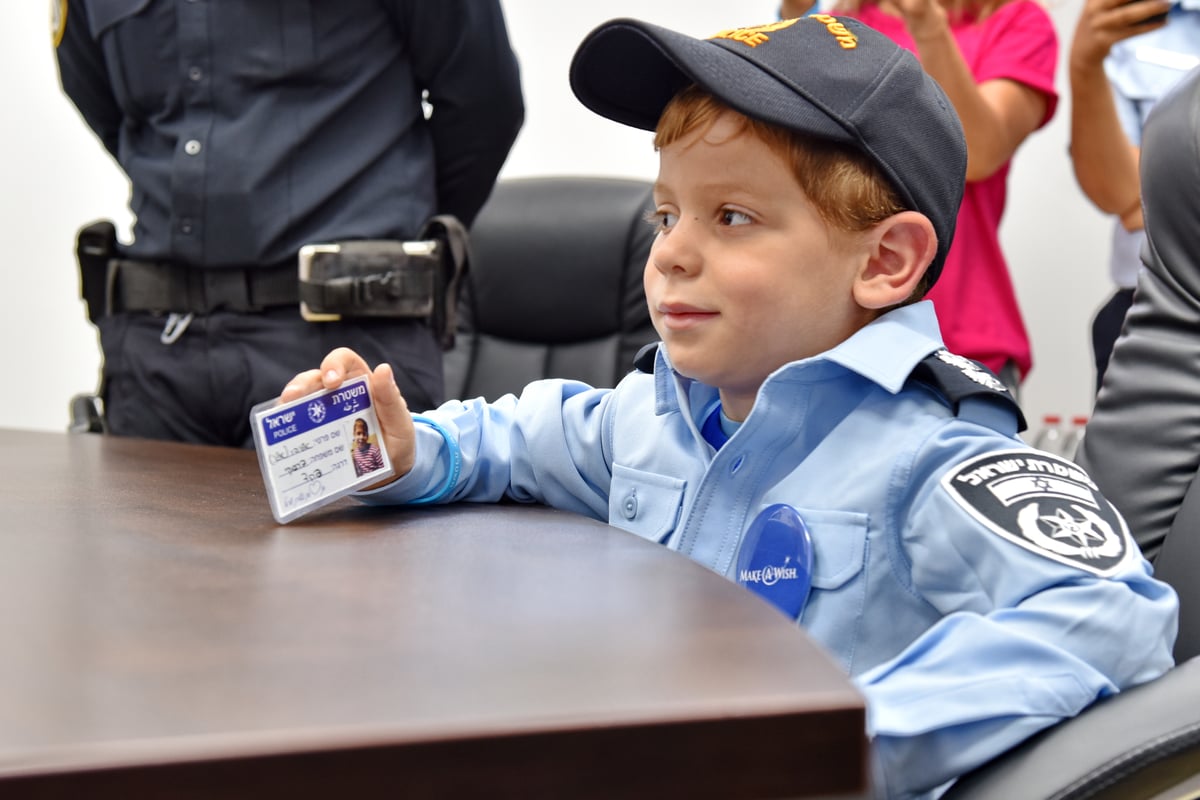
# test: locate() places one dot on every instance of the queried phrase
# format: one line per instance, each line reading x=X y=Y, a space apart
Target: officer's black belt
x=161 y=286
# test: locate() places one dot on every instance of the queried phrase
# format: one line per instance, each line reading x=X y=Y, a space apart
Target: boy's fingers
x=386 y=394
x=304 y=383
x=341 y=364
x=394 y=418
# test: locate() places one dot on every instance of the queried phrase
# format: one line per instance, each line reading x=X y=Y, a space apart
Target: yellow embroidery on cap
x=756 y=35
x=58 y=20
x=844 y=37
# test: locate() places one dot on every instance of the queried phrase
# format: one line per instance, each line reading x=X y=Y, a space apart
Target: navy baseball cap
x=825 y=76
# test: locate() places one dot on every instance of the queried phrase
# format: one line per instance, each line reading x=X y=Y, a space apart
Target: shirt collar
x=887 y=350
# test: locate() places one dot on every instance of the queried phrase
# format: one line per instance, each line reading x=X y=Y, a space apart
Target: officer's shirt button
x=192 y=147
x=629 y=505
x=195 y=73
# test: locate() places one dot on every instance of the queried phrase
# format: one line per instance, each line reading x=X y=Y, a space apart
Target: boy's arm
x=548 y=446
x=1024 y=642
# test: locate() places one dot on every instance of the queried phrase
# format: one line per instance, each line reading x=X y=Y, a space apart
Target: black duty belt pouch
x=95 y=244
x=377 y=278
x=111 y=284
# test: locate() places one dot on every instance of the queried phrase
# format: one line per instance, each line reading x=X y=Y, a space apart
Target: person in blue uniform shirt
x=1124 y=58
x=249 y=129
x=800 y=427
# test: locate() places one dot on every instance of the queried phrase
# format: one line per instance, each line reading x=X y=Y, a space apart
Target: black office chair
x=554 y=288
x=1142 y=447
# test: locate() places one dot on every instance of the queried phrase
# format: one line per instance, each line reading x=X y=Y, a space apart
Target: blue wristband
x=455 y=464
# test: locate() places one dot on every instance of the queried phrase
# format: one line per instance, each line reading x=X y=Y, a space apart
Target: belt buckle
x=308 y=253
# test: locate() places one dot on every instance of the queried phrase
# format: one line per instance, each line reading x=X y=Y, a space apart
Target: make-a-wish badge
x=319 y=448
x=776 y=559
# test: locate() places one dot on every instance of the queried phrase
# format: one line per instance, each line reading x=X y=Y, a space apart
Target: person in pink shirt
x=996 y=62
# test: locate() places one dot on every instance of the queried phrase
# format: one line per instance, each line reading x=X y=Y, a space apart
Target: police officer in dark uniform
x=252 y=128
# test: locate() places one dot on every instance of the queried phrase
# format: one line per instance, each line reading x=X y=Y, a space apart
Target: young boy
x=366 y=456
x=800 y=418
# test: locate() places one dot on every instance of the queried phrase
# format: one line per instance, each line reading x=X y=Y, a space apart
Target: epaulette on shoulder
x=645 y=358
x=955 y=378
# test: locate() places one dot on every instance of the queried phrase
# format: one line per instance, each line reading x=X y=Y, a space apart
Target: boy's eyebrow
x=721 y=187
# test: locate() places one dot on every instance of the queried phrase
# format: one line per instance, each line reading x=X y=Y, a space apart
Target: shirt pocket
x=645 y=503
x=833 y=614
x=140 y=46
x=103 y=14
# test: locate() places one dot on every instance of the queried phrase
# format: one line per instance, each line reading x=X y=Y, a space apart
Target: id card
x=318 y=448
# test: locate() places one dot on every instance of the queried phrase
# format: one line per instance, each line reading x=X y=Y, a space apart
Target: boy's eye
x=731 y=217
x=662 y=220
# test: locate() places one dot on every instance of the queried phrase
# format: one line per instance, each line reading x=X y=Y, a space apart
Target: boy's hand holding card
x=318 y=448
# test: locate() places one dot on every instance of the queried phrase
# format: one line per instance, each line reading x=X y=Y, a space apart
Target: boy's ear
x=901 y=249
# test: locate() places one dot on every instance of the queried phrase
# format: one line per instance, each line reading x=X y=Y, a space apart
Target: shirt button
x=629 y=505
x=192 y=147
x=195 y=73
x=185 y=226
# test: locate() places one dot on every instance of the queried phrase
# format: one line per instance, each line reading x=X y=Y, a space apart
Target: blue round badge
x=776 y=559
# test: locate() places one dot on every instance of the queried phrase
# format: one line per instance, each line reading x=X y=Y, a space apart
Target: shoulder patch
x=58 y=20
x=956 y=378
x=1045 y=504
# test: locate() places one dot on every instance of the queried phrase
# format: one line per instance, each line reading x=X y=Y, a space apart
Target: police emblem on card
x=1044 y=503
x=319 y=448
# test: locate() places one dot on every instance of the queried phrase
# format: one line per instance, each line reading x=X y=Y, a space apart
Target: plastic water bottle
x=1050 y=435
x=1074 y=436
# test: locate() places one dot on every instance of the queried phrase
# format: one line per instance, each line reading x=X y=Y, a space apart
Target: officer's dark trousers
x=201 y=387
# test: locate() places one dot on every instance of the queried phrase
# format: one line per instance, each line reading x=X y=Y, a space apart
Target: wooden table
x=163 y=636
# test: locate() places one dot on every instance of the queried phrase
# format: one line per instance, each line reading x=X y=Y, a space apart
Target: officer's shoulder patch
x=1044 y=503
x=58 y=20
x=955 y=378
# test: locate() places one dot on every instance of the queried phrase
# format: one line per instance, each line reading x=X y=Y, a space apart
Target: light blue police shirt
x=1141 y=70
x=976 y=590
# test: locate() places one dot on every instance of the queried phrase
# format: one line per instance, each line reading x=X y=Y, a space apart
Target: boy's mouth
x=680 y=316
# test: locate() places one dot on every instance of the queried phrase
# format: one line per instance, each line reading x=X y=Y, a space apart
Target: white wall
x=55 y=177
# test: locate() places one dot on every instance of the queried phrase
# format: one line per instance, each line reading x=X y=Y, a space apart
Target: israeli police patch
x=1044 y=503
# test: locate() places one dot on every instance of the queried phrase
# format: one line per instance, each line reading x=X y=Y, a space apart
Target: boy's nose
x=677 y=251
